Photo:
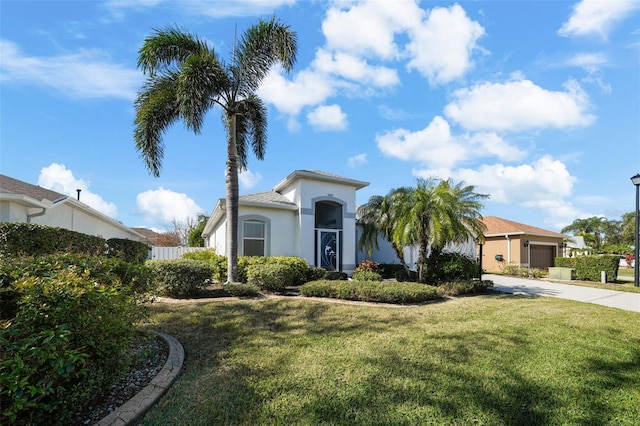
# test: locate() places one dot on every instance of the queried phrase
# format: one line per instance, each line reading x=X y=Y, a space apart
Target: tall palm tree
x=434 y=214
x=186 y=78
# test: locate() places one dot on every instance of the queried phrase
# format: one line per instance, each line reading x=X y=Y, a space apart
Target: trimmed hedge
x=459 y=288
x=217 y=262
x=65 y=332
x=366 y=276
x=270 y=277
x=241 y=290
x=29 y=239
x=589 y=268
x=370 y=291
x=335 y=276
x=180 y=277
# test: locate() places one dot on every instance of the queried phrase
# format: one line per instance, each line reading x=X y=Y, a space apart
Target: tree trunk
x=231 y=182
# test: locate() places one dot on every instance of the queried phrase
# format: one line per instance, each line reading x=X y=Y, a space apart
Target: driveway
x=611 y=298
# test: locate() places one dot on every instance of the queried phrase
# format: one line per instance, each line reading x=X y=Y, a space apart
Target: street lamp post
x=636 y=261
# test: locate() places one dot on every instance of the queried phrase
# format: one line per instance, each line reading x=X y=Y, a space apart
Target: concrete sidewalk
x=611 y=298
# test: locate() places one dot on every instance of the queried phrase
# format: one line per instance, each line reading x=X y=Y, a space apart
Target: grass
x=493 y=360
x=625 y=272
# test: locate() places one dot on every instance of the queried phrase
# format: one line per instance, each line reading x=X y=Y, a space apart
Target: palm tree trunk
x=231 y=182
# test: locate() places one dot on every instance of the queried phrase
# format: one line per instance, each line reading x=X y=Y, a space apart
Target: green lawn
x=625 y=272
x=492 y=360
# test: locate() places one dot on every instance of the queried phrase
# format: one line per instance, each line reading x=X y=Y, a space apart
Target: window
x=253 y=238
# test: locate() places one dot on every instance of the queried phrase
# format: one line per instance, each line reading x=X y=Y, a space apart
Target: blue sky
x=535 y=103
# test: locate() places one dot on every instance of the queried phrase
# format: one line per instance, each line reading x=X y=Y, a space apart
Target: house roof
x=497 y=226
x=267 y=199
x=24 y=193
x=9 y=185
x=320 y=176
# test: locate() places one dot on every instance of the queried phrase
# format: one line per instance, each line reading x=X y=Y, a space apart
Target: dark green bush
x=369 y=291
x=71 y=325
x=450 y=266
x=335 y=276
x=389 y=270
x=128 y=250
x=401 y=275
x=240 y=289
x=180 y=277
x=270 y=277
x=458 y=288
x=366 y=276
x=589 y=268
x=315 y=273
x=29 y=239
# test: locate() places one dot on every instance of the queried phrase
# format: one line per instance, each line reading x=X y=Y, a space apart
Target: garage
x=542 y=256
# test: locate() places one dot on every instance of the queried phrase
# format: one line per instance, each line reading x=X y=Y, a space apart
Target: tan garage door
x=541 y=256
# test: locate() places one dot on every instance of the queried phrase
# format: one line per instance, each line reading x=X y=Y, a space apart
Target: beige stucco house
x=23 y=202
x=309 y=214
x=513 y=243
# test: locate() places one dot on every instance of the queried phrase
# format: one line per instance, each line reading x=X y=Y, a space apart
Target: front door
x=328 y=250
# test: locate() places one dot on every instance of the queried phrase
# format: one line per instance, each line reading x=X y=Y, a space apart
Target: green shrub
x=389 y=270
x=180 y=277
x=589 y=268
x=81 y=317
x=297 y=265
x=29 y=239
x=315 y=273
x=241 y=290
x=451 y=266
x=458 y=288
x=270 y=277
x=384 y=292
x=366 y=276
x=217 y=262
x=137 y=279
x=523 y=271
x=37 y=373
x=565 y=262
x=128 y=250
x=335 y=276
x=401 y=275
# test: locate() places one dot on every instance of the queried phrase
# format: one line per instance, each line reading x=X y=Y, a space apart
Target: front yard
x=498 y=360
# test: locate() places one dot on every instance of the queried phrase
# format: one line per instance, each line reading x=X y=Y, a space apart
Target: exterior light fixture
x=526 y=243
x=636 y=264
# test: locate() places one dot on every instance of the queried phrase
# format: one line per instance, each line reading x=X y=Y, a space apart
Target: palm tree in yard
x=187 y=78
x=433 y=214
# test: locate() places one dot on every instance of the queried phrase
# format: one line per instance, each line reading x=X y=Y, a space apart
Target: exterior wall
x=218 y=238
x=63 y=216
x=514 y=251
x=14 y=212
x=281 y=232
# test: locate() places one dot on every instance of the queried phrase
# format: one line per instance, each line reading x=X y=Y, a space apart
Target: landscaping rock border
x=134 y=408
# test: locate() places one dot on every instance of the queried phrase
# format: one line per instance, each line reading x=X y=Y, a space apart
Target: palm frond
x=166 y=47
x=156 y=109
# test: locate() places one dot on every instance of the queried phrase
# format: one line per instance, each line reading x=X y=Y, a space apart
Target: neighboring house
x=575 y=246
x=513 y=243
x=310 y=214
x=23 y=202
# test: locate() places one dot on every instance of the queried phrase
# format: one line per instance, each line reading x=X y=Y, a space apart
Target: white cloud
x=591 y=62
x=83 y=74
x=545 y=185
x=162 y=206
x=519 y=105
x=328 y=117
x=357 y=160
x=249 y=179
x=596 y=17
x=438 y=148
x=441 y=46
x=60 y=179
x=368 y=28
x=307 y=88
x=353 y=68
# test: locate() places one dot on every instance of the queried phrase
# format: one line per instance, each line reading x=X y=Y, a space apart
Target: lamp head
x=636 y=179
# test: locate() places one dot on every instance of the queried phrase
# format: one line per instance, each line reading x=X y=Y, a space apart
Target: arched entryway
x=328 y=225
